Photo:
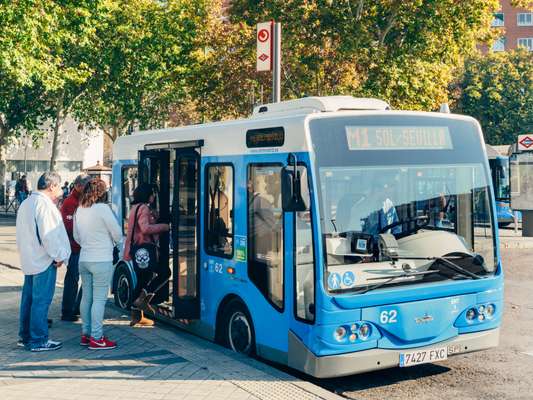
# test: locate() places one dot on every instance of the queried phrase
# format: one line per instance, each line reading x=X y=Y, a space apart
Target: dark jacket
x=68 y=209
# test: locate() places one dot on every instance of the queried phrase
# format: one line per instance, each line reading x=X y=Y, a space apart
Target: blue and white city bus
x=332 y=235
x=499 y=168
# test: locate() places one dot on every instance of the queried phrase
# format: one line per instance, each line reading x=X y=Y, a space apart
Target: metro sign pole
x=268 y=57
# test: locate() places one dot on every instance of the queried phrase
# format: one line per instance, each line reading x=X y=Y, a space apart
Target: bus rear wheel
x=237 y=328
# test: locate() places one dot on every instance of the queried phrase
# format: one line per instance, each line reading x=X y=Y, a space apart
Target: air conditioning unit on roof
x=322 y=104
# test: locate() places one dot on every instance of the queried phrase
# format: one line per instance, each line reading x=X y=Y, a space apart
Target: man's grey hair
x=82 y=179
x=48 y=179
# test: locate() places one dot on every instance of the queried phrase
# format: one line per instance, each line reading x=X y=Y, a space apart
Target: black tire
x=237 y=329
x=124 y=291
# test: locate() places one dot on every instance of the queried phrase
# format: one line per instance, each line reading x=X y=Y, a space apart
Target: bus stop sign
x=264 y=46
x=525 y=142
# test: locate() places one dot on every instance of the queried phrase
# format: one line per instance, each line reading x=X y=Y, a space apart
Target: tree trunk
x=3 y=164
x=57 y=130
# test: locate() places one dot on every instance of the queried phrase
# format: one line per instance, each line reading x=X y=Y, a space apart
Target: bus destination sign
x=398 y=138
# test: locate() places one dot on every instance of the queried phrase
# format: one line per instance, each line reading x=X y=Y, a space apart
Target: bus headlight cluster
x=480 y=313
x=340 y=333
x=364 y=331
x=355 y=332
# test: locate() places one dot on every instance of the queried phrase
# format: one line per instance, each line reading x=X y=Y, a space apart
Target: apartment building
x=516 y=25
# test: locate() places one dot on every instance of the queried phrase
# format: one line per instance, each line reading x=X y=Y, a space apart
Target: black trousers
x=71 y=295
x=155 y=282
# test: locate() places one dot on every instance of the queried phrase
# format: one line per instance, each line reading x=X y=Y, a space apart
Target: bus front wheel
x=237 y=329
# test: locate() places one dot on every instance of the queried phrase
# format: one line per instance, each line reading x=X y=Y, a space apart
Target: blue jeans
x=71 y=295
x=37 y=295
x=95 y=283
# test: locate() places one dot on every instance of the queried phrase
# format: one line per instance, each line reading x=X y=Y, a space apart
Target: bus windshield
x=402 y=202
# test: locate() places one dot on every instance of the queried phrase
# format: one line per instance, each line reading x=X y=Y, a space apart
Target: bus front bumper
x=369 y=360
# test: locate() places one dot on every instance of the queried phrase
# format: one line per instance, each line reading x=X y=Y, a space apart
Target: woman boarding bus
x=333 y=235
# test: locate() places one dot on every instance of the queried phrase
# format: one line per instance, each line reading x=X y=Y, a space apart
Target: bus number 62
x=388 y=317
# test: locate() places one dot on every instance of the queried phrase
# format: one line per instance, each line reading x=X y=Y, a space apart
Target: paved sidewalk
x=152 y=363
x=509 y=239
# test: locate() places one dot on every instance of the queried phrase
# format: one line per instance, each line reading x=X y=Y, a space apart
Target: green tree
x=27 y=68
x=497 y=90
x=75 y=47
x=143 y=68
x=223 y=82
x=402 y=51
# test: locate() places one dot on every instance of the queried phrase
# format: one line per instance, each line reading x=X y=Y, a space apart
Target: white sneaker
x=48 y=346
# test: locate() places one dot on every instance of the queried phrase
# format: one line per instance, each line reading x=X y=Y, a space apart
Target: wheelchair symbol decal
x=348 y=279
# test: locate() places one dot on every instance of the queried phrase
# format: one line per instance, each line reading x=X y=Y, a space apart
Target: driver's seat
x=343 y=218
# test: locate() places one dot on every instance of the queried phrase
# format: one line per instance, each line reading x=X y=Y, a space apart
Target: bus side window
x=219 y=228
x=129 y=183
x=265 y=231
x=305 y=257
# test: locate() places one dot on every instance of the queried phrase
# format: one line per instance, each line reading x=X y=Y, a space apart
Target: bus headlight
x=471 y=314
x=481 y=309
x=364 y=331
x=489 y=310
x=353 y=337
x=340 y=333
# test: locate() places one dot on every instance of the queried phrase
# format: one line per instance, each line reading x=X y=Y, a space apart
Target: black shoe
x=70 y=318
x=21 y=343
x=50 y=323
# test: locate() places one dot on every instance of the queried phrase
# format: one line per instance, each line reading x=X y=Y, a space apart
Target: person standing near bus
x=21 y=189
x=70 y=307
x=146 y=231
x=43 y=245
x=96 y=229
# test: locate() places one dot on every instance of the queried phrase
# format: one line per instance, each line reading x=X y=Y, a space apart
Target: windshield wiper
x=453 y=266
x=396 y=277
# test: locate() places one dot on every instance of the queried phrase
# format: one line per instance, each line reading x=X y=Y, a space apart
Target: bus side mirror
x=291 y=189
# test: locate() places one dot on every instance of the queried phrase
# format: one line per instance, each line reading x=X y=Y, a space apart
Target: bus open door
x=176 y=173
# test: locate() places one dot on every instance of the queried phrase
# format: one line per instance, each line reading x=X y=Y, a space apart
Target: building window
x=304 y=270
x=524 y=19
x=498 y=20
x=219 y=229
x=265 y=231
x=526 y=42
x=129 y=183
x=42 y=166
x=499 y=44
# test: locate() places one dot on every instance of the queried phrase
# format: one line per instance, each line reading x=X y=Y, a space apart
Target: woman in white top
x=97 y=231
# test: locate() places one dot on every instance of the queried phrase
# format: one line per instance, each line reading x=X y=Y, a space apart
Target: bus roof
x=229 y=137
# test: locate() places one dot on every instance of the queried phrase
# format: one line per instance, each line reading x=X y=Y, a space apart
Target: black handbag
x=143 y=256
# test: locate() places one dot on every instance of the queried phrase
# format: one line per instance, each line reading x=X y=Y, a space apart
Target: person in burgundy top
x=70 y=307
x=146 y=231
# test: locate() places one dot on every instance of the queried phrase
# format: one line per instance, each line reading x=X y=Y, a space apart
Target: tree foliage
x=497 y=90
x=148 y=50
x=402 y=51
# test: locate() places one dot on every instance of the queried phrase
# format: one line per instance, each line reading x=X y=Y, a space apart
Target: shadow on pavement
x=380 y=378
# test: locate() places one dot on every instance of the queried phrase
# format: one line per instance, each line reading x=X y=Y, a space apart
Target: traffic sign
x=525 y=142
x=264 y=46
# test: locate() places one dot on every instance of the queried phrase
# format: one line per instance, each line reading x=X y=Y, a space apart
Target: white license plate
x=410 y=358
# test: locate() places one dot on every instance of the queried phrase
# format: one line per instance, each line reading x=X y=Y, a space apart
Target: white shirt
x=39 y=214
x=96 y=230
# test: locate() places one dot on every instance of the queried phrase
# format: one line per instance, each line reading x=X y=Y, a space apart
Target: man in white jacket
x=44 y=246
